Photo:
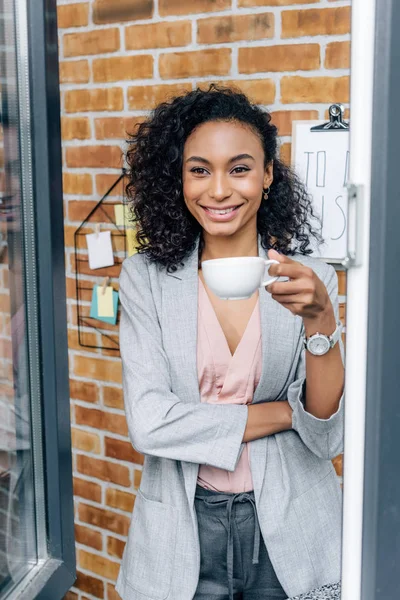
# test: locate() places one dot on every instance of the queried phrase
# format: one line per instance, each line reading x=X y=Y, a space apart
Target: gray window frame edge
x=381 y=517
x=55 y=571
x=46 y=129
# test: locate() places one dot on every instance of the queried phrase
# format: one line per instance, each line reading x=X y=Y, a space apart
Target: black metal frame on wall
x=381 y=513
x=101 y=214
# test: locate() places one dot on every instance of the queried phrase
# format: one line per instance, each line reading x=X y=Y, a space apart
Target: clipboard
x=321 y=160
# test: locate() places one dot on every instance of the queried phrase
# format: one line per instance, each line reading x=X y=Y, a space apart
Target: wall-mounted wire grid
x=93 y=333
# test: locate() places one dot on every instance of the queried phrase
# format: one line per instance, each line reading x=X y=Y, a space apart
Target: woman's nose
x=219 y=189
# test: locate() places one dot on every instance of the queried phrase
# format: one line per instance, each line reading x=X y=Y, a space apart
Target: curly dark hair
x=166 y=230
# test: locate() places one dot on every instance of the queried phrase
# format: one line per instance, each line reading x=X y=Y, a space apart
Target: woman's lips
x=221 y=214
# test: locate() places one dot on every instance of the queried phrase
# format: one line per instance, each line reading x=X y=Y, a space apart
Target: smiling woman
x=236 y=417
x=190 y=156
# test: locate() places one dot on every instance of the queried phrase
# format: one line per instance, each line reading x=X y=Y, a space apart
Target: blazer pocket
x=319 y=517
x=150 y=549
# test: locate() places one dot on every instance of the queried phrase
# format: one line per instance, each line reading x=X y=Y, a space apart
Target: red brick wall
x=118 y=58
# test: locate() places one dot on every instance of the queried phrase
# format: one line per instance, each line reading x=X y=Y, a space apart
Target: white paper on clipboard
x=321 y=160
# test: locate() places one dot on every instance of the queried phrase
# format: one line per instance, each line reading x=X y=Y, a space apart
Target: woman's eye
x=198 y=170
x=240 y=169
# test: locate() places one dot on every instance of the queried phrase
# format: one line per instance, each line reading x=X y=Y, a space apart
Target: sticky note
x=122 y=214
x=100 y=249
x=105 y=305
x=131 y=241
x=94 y=313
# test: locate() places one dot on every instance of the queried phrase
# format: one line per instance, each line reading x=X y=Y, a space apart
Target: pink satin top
x=227 y=379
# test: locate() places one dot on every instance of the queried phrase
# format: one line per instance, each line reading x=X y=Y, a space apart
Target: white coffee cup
x=237 y=277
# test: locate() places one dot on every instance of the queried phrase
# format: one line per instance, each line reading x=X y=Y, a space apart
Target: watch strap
x=334 y=338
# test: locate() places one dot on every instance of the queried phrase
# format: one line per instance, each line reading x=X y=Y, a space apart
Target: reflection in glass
x=17 y=522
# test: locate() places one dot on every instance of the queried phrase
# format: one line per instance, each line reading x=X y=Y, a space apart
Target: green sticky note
x=94 y=312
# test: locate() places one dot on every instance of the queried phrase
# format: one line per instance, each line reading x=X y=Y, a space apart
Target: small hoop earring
x=265 y=193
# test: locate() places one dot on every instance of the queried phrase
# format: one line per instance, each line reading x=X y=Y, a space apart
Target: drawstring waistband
x=220 y=499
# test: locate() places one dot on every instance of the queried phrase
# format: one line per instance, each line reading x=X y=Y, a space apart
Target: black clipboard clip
x=335 y=122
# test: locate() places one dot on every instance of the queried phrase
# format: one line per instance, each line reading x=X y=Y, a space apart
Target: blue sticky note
x=94 y=310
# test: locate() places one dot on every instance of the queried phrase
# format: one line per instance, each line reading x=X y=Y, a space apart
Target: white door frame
x=361 y=115
x=371 y=515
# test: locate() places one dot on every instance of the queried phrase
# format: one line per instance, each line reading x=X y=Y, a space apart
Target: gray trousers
x=234 y=561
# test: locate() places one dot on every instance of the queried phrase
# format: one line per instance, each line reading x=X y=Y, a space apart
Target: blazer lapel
x=279 y=329
x=180 y=307
x=279 y=333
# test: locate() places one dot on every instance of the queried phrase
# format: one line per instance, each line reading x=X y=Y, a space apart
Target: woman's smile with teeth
x=221 y=211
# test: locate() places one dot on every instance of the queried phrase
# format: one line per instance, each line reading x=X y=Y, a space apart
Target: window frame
x=41 y=166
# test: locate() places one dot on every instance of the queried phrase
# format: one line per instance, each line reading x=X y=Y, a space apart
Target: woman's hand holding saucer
x=304 y=294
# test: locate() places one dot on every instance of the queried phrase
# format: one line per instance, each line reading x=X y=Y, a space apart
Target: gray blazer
x=297 y=493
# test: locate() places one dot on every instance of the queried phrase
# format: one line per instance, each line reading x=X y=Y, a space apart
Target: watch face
x=319 y=345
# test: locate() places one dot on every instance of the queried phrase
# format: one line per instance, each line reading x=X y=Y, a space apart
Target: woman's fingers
x=292 y=270
x=296 y=286
x=287 y=299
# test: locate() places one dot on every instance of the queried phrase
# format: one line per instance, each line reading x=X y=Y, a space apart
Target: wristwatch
x=319 y=344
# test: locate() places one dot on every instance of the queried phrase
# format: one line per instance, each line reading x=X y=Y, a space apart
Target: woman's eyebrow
x=198 y=159
x=231 y=160
x=240 y=157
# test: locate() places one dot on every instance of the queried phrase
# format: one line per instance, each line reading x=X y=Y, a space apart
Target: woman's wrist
x=283 y=413
x=279 y=415
x=267 y=418
x=324 y=323
x=288 y=414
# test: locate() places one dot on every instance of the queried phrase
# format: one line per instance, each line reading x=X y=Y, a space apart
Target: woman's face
x=224 y=176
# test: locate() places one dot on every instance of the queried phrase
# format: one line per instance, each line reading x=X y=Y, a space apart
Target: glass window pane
x=17 y=503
